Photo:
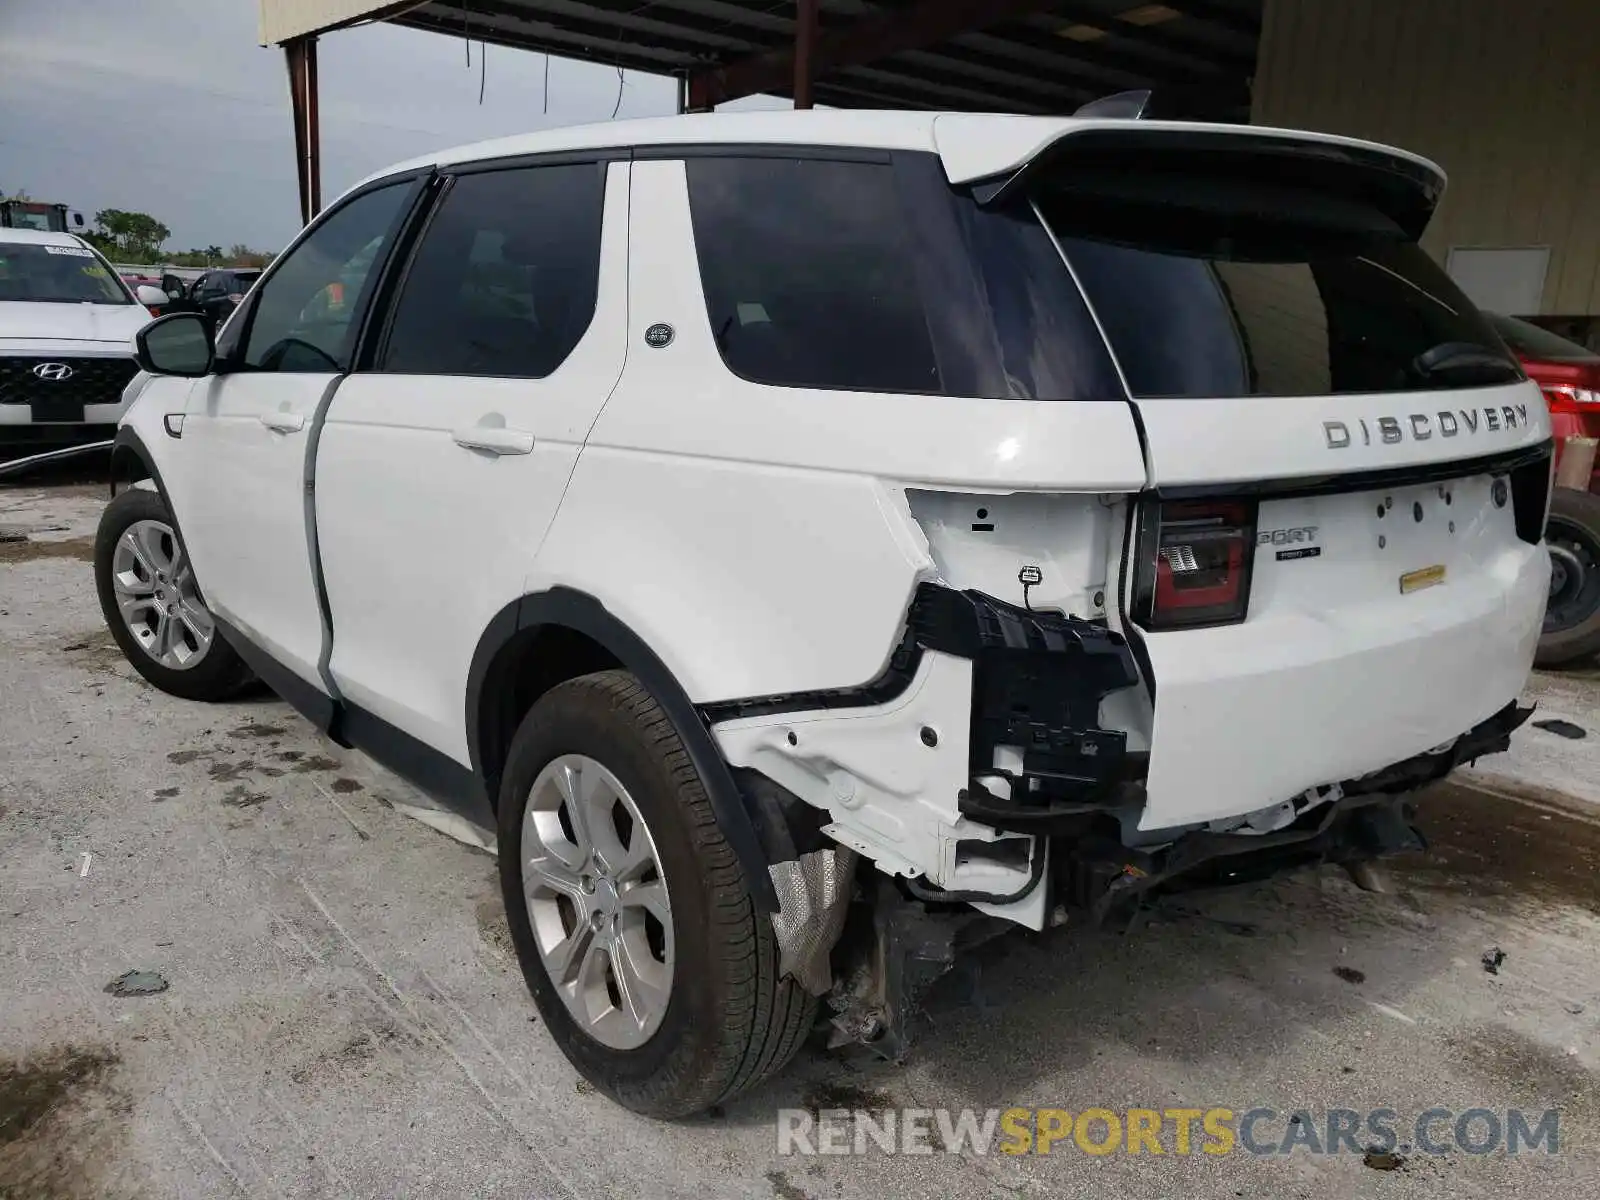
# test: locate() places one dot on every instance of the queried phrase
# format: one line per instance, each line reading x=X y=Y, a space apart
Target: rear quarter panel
x=757 y=537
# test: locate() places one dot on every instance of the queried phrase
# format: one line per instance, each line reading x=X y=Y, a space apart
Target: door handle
x=495 y=439
x=283 y=422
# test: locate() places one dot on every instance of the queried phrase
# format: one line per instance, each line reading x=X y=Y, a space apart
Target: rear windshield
x=1207 y=288
x=57 y=275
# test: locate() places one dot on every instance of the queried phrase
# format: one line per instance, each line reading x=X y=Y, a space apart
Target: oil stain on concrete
x=1482 y=844
x=29 y=550
x=61 y=1123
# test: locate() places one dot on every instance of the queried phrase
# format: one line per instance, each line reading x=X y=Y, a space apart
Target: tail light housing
x=1194 y=563
x=1568 y=398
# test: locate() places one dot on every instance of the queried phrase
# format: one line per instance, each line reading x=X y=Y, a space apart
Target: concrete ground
x=345 y=1018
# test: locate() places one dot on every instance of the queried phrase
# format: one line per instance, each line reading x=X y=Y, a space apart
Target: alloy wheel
x=156 y=594
x=597 y=901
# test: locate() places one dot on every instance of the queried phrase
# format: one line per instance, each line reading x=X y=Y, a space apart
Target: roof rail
x=1128 y=106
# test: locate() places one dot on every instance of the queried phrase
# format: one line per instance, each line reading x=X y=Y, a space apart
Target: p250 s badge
x=1295 y=541
x=1419 y=427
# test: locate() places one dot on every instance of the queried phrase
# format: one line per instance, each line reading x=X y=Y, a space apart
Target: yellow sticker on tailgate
x=1424 y=577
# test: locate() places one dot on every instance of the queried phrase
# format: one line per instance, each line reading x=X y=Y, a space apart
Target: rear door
x=440 y=465
x=1337 y=565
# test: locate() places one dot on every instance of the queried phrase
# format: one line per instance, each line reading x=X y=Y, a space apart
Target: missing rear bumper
x=1370 y=819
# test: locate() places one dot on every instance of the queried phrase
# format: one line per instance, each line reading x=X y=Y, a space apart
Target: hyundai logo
x=54 y=372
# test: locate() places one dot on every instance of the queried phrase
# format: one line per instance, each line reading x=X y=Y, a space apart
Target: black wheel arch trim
x=568 y=608
x=128 y=444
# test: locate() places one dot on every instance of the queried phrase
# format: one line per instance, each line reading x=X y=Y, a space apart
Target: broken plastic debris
x=1565 y=729
x=136 y=983
x=1383 y=1160
x=1492 y=958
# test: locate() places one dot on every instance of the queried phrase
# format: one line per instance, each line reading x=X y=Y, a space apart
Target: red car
x=1569 y=376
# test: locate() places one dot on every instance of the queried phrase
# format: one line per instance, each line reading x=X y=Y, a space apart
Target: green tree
x=132 y=236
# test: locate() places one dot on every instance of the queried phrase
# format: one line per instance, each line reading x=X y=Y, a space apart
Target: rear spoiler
x=1404 y=187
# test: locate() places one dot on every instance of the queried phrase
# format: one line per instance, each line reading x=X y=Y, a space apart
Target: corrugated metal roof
x=1044 y=57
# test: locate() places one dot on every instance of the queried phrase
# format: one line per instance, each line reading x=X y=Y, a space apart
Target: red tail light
x=1195 y=558
x=1567 y=398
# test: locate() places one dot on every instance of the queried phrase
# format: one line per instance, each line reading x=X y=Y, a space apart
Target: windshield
x=1218 y=288
x=57 y=275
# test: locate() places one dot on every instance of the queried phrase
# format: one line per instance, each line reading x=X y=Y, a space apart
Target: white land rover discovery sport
x=821 y=540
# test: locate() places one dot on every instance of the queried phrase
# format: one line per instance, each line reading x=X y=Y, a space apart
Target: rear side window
x=1208 y=288
x=504 y=281
x=810 y=274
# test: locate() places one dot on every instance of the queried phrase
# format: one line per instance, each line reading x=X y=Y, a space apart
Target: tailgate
x=1386 y=615
x=1337 y=564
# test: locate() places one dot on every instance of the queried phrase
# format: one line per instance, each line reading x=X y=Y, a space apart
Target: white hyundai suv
x=822 y=540
x=66 y=340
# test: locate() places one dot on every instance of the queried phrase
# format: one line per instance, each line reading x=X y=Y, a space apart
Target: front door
x=441 y=467
x=249 y=426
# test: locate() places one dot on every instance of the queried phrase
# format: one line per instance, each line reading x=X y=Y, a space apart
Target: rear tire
x=1572 y=622
x=209 y=672
x=729 y=1021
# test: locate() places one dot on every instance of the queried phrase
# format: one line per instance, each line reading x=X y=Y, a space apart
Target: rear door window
x=1207 y=288
x=505 y=281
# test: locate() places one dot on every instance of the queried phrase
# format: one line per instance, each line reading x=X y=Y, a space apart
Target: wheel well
x=127 y=465
x=525 y=668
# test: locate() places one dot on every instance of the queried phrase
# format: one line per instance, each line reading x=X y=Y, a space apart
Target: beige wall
x=1503 y=94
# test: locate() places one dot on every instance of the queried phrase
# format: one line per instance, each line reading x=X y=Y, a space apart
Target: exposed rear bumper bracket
x=1038 y=680
x=1371 y=819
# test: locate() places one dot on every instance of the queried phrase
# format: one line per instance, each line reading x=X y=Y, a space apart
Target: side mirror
x=176 y=344
x=149 y=296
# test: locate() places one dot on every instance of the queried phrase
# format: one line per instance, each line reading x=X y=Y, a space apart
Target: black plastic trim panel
x=304 y=697
x=437 y=774
x=1370 y=480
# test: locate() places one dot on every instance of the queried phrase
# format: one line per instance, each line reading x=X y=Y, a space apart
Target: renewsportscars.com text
x=1176 y=1132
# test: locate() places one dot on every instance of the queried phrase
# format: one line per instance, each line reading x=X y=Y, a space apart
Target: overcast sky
x=170 y=107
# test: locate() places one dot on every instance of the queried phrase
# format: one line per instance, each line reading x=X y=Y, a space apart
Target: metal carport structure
x=1031 y=56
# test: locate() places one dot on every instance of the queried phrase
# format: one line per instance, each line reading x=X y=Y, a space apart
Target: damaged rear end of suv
x=819 y=542
x=1319 y=589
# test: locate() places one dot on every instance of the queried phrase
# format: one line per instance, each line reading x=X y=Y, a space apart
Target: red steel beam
x=916 y=28
x=300 y=55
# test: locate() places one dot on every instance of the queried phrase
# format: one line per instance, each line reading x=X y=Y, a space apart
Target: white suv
x=822 y=540
x=67 y=322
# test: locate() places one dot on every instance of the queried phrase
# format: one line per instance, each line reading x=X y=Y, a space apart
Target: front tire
x=615 y=873
x=1572 y=620
x=153 y=606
